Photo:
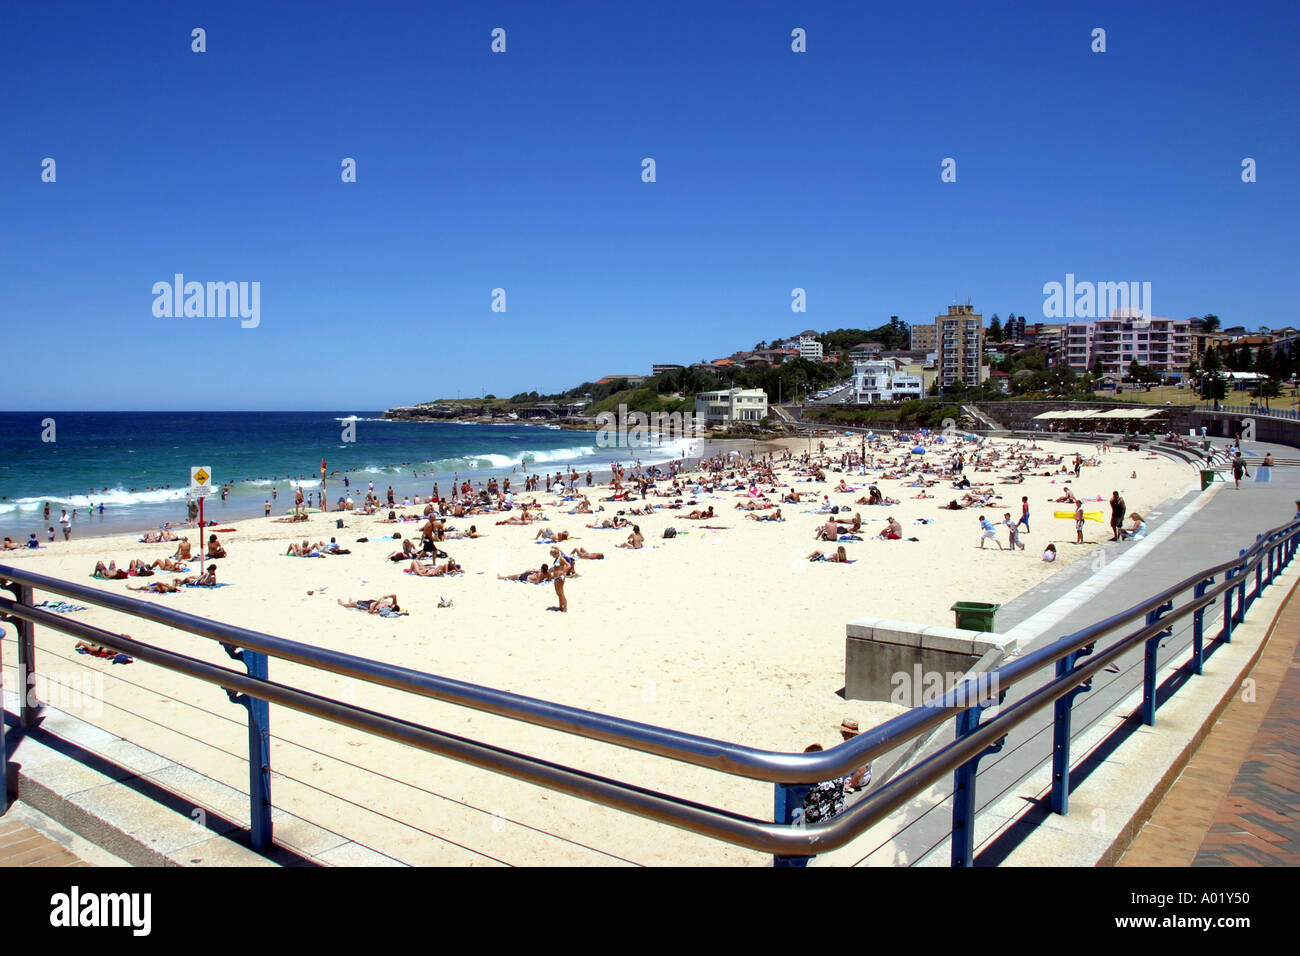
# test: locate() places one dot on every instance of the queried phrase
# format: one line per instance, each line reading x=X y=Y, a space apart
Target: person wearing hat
x=860 y=779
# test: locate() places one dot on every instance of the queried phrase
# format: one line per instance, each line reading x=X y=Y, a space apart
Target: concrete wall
x=1280 y=431
x=904 y=663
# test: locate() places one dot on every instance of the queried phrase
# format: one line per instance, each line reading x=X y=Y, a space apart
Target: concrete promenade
x=1191 y=532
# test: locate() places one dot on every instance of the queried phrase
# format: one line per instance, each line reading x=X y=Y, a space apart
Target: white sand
x=729 y=634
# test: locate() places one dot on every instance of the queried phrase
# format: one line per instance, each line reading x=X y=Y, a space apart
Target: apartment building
x=924 y=338
x=809 y=346
x=960 y=343
x=1163 y=344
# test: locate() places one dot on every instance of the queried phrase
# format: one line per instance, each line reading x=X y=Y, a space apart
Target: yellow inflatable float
x=1090 y=515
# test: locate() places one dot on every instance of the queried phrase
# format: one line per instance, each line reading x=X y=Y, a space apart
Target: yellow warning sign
x=200 y=479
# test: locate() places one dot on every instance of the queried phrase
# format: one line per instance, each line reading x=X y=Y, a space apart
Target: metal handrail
x=736 y=759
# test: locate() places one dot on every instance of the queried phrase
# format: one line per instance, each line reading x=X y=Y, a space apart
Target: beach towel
x=1263 y=473
x=60 y=607
x=849 y=537
x=205 y=587
x=384 y=612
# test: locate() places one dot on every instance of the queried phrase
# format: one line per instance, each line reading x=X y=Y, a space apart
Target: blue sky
x=522 y=171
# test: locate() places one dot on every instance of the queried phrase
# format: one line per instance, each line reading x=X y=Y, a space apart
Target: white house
x=880 y=381
x=731 y=405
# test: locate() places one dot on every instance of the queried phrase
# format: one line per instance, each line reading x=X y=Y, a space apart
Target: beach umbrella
x=918 y=450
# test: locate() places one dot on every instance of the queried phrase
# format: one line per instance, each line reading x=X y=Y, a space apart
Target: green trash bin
x=1207 y=478
x=975 y=615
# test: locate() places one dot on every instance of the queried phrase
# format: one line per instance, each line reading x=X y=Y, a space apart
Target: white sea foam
x=114 y=497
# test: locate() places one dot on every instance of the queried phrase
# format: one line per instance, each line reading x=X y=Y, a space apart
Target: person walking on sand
x=1117 y=510
x=1238 y=470
x=67 y=525
x=1024 y=513
x=1013 y=528
x=1078 y=522
x=988 y=533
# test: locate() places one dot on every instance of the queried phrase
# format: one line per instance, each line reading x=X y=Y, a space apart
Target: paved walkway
x=1237 y=803
x=24 y=845
x=1115 y=577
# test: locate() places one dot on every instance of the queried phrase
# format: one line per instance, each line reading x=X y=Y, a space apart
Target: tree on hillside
x=1143 y=374
x=995 y=329
x=1213 y=385
x=1211 y=323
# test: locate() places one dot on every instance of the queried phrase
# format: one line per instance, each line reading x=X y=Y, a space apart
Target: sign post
x=201 y=484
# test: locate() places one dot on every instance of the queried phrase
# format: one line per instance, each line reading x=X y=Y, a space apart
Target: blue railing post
x=963 y=797
x=789 y=811
x=1241 y=593
x=1152 y=663
x=1226 y=634
x=1198 y=628
x=259 y=749
x=30 y=707
x=1259 y=573
x=1064 y=708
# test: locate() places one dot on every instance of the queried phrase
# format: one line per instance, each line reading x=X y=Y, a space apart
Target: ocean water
x=137 y=464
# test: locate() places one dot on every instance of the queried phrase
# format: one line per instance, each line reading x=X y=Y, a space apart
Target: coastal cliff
x=487 y=414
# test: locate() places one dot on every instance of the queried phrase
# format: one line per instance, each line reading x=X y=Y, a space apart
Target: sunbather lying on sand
x=434 y=570
x=109 y=570
x=307 y=550
x=373 y=605
x=528 y=577
x=409 y=550
x=839 y=557
x=157 y=587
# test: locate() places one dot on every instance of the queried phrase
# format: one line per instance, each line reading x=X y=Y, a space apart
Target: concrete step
x=149 y=811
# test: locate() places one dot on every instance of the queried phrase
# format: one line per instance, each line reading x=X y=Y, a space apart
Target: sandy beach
x=727 y=633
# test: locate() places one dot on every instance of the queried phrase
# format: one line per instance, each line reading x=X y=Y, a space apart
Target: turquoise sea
x=137 y=464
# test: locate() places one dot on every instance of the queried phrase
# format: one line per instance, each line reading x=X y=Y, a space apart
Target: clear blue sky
x=522 y=170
